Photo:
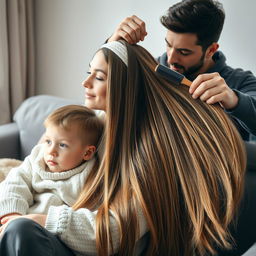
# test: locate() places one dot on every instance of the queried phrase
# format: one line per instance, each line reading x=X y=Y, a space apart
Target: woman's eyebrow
x=98 y=70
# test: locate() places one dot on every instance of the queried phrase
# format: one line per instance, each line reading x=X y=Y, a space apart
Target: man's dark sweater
x=244 y=85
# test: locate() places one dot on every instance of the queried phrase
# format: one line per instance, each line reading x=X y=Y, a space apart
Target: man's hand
x=131 y=29
x=212 y=88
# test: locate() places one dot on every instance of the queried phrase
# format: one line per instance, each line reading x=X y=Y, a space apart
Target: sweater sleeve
x=245 y=111
x=77 y=229
x=244 y=85
x=15 y=190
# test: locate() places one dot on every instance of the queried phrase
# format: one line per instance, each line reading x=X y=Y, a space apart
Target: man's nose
x=172 y=56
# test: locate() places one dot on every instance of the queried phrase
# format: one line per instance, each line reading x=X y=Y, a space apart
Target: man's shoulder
x=237 y=74
x=162 y=59
x=230 y=74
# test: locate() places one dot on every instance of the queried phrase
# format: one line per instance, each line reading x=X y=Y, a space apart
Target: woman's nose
x=87 y=82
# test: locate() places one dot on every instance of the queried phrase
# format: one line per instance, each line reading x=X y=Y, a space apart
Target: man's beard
x=191 y=71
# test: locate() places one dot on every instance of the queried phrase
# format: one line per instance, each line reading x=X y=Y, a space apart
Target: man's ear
x=90 y=150
x=212 y=49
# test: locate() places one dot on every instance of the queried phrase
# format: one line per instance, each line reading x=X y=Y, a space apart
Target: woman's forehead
x=99 y=61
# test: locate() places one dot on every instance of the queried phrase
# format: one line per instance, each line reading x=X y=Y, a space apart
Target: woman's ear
x=89 y=153
x=212 y=49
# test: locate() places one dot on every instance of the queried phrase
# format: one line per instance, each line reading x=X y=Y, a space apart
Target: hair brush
x=172 y=75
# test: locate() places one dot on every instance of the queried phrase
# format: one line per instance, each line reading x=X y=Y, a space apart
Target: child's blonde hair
x=90 y=126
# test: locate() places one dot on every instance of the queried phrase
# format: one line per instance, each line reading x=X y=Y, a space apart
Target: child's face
x=64 y=149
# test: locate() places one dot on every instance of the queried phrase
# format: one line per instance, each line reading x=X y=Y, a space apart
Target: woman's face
x=96 y=83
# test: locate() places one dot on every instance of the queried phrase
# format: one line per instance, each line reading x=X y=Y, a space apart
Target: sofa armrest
x=9 y=141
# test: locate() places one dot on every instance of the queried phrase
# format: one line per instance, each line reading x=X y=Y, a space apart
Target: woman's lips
x=88 y=95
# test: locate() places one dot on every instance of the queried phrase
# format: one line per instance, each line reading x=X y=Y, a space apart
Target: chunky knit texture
x=30 y=189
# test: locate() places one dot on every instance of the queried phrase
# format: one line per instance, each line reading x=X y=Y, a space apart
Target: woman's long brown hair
x=178 y=159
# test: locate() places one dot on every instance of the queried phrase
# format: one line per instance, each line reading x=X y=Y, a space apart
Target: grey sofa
x=18 y=138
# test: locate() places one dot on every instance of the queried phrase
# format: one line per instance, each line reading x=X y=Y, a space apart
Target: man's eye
x=184 y=53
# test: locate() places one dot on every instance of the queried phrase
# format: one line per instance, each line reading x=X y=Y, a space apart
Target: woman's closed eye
x=97 y=77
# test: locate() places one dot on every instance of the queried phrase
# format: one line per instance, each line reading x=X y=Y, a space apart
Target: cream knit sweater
x=30 y=189
x=77 y=229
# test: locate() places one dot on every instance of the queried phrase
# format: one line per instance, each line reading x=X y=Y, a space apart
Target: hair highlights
x=178 y=159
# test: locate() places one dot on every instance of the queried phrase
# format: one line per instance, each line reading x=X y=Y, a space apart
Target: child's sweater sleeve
x=15 y=190
x=77 y=229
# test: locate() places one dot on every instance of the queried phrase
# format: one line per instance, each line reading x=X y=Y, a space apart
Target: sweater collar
x=220 y=62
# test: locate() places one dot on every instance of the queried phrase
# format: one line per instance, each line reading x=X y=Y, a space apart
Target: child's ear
x=90 y=150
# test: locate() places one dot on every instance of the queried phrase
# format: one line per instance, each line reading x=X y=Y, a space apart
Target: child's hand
x=38 y=218
x=8 y=217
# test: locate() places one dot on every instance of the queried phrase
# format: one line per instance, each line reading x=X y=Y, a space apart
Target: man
x=193 y=31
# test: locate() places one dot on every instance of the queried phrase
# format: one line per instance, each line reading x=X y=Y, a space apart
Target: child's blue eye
x=63 y=145
x=48 y=142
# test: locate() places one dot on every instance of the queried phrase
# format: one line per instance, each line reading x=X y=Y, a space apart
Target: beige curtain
x=17 y=65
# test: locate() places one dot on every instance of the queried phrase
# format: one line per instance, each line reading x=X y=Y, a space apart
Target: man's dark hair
x=205 y=18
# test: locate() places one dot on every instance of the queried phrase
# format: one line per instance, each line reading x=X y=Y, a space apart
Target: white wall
x=238 y=36
x=68 y=32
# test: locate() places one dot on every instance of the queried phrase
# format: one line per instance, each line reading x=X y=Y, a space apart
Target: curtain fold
x=17 y=55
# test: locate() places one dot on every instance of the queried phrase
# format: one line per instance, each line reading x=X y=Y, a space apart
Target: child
x=55 y=171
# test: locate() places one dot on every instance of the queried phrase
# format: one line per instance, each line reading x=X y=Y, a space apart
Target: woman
x=173 y=167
